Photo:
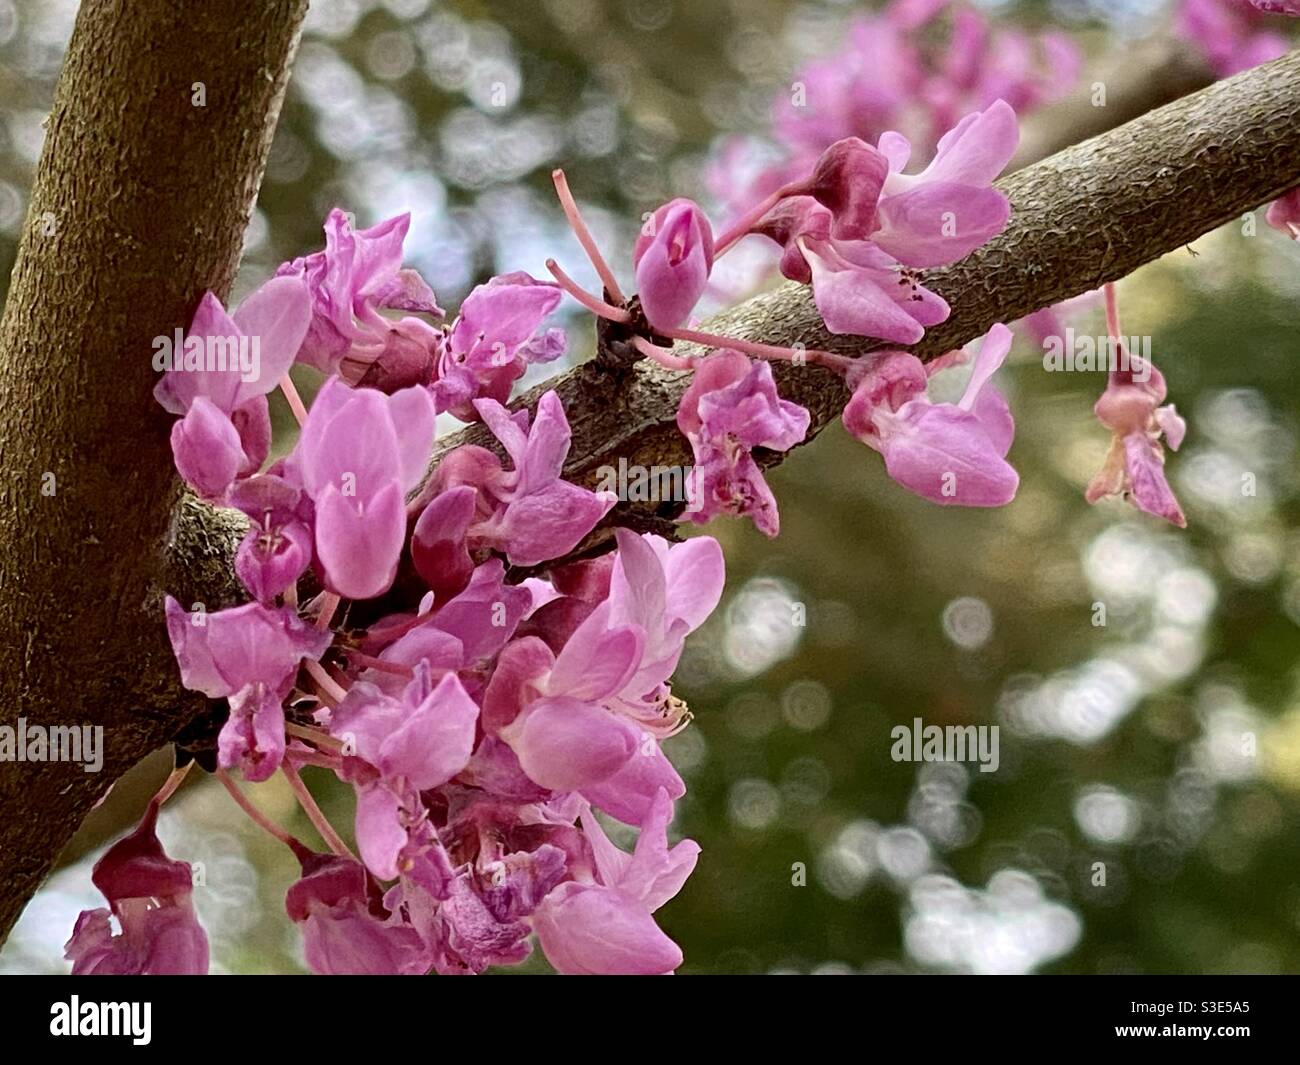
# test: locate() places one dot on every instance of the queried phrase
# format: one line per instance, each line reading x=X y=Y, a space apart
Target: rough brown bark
x=140 y=203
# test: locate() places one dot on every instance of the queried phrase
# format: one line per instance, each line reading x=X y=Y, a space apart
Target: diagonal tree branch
x=1090 y=214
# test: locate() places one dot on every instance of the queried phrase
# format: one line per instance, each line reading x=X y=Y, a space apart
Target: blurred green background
x=1127 y=743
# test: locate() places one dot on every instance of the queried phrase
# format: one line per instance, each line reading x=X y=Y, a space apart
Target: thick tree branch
x=162 y=120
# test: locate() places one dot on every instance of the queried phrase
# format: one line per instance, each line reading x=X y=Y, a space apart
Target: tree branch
x=162 y=119
x=1090 y=214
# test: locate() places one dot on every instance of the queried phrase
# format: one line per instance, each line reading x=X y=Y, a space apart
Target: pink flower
x=346 y=930
x=359 y=454
x=1134 y=468
x=551 y=709
x=248 y=655
x=730 y=408
x=858 y=288
x=605 y=924
x=149 y=895
x=673 y=256
x=945 y=452
x=947 y=210
x=530 y=514
x=588 y=718
x=220 y=378
x=865 y=226
x=358 y=274
x=277 y=550
x=666 y=591
x=396 y=748
x=464 y=633
x=494 y=340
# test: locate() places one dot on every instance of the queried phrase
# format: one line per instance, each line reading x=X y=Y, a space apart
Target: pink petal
x=565 y=745
x=435 y=740
x=630 y=793
x=278 y=314
x=380 y=836
x=597 y=661
x=207 y=449
x=850 y=302
x=1150 y=488
x=939 y=222
x=359 y=547
x=587 y=930
x=945 y=456
x=413 y=416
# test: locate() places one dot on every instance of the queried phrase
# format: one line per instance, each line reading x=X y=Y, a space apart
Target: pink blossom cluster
x=857 y=228
x=917 y=66
x=488 y=698
x=481 y=729
x=1233 y=35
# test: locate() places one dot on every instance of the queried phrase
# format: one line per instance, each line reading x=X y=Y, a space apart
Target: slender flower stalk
x=314 y=813
x=173 y=781
x=663 y=356
x=328 y=603
x=742 y=225
x=838 y=363
x=1112 y=310
x=597 y=306
x=258 y=818
x=319 y=737
x=371 y=662
x=294 y=400
x=584 y=236
x=302 y=756
x=330 y=688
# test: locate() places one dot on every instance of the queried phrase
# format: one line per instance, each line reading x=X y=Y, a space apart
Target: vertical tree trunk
x=155 y=148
